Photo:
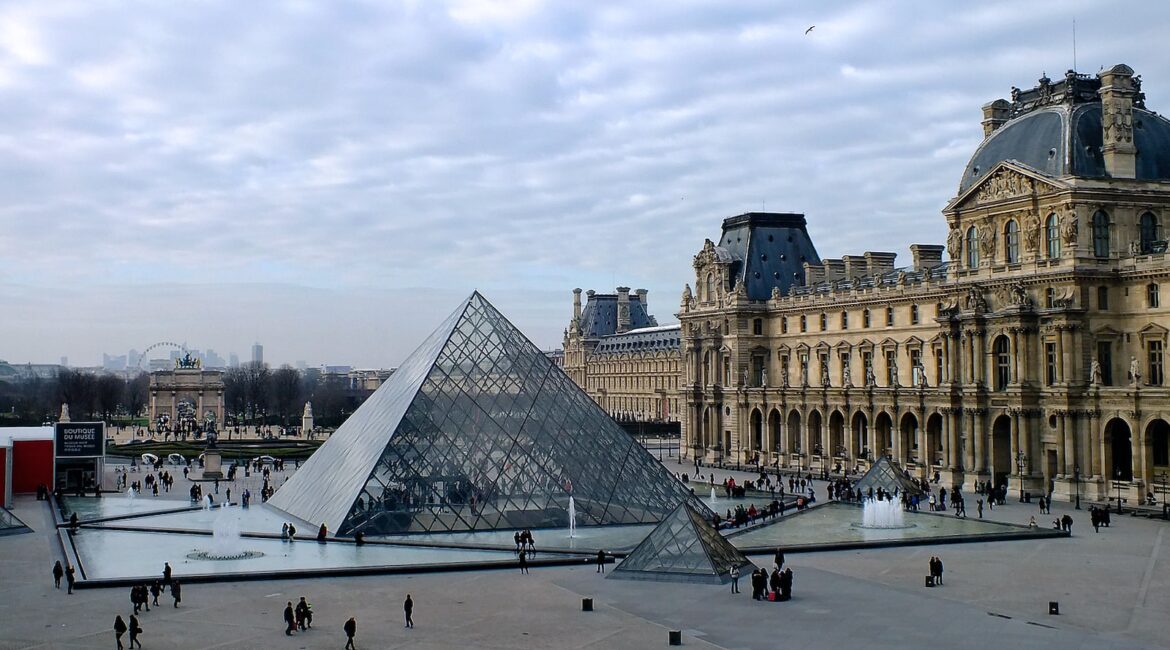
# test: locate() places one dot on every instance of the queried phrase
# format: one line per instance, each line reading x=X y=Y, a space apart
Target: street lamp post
x=1077 y=478
x=1021 y=463
x=1117 y=484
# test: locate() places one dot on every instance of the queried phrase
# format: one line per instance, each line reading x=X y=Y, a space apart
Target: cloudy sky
x=331 y=178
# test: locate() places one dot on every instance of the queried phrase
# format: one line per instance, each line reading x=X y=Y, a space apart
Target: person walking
x=155 y=590
x=290 y=620
x=167 y=573
x=58 y=573
x=176 y=592
x=304 y=614
x=601 y=561
x=408 y=609
x=70 y=576
x=523 y=561
x=119 y=630
x=350 y=628
x=979 y=507
x=735 y=580
x=135 y=630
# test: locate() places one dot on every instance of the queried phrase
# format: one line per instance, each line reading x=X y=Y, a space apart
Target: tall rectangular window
x=889 y=316
x=824 y=322
x=913 y=314
x=757 y=326
x=784 y=325
x=757 y=370
x=891 y=368
x=1152 y=298
x=938 y=366
x=1154 y=368
x=1050 y=363
x=824 y=359
x=844 y=320
x=804 y=323
x=727 y=371
x=865 y=319
x=1103 y=298
x=866 y=363
x=1105 y=360
x=916 y=369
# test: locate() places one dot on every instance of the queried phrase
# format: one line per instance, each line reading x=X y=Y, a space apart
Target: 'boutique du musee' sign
x=80 y=439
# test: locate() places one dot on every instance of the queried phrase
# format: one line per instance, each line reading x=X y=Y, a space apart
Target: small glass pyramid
x=684 y=547
x=887 y=475
x=478 y=430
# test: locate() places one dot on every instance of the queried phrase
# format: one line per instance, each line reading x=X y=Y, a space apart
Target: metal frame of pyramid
x=478 y=430
x=887 y=475
x=685 y=547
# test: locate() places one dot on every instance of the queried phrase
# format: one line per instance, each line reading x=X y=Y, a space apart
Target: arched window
x=1003 y=362
x=1100 y=234
x=1052 y=236
x=710 y=286
x=972 y=247
x=1148 y=232
x=1011 y=241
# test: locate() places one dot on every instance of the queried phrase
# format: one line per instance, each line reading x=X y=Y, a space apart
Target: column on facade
x=1061 y=378
x=969 y=434
x=1098 y=445
x=946 y=439
x=1015 y=441
x=980 y=434
x=1061 y=445
x=1026 y=446
x=1066 y=355
x=924 y=450
x=1070 y=443
x=981 y=355
x=1017 y=374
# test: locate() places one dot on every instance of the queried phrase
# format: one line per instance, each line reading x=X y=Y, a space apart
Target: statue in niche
x=846 y=376
x=784 y=375
x=955 y=243
x=825 y=374
x=1032 y=233
x=894 y=373
x=1069 y=231
x=1095 y=373
x=1135 y=372
x=687 y=296
x=804 y=373
x=870 y=378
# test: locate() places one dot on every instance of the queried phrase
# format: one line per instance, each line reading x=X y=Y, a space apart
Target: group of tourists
x=1099 y=517
x=524 y=541
x=288 y=532
x=298 y=618
x=936 y=570
x=67 y=572
x=142 y=597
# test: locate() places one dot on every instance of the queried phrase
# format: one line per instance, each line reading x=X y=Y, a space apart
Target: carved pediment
x=1008 y=180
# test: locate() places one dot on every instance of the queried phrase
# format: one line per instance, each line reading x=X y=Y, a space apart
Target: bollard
x=676 y=637
x=587 y=604
x=1053 y=608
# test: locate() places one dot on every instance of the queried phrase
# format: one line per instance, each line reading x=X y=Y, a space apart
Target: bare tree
x=108 y=393
x=79 y=390
x=286 y=392
x=257 y=382
x=137 y=393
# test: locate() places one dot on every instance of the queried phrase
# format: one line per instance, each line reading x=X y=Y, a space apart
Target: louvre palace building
x=1033 y=355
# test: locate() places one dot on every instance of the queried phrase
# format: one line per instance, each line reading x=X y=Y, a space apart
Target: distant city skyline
x=332 y=180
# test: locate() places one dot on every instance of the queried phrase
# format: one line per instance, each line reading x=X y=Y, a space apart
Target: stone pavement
x=1113 y=588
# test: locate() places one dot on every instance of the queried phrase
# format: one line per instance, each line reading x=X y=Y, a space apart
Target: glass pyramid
x=684 y=547
x=887 y=475
x=478 y=430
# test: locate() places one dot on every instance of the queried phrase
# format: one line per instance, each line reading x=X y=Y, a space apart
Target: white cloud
x=390 y=153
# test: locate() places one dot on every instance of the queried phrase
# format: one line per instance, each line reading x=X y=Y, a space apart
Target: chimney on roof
x=926 y=256
x=576 y=305
x=813 y=273
x=642 y=299
x=995 y=114
x=1117 y=93
x=856 y=266
x=880 y=263
x=834 y=269
x=623 y=309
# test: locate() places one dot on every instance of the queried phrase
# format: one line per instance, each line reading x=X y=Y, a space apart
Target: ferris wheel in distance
x=161 y=345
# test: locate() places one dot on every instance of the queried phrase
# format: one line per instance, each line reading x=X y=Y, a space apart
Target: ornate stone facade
x=1034 y=357
x=621 y=358
x=186 y=393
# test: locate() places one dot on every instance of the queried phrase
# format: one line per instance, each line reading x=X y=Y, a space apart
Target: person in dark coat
x=290 y=620
x=601 y=561
x=785 y=585
x=58 y=573
x=304 y=614
x=119 y=629
x=322 y=533
x=176 y=592
x=774 y=582
x=166 y=573
x=135 y=630
x=155 y=590
x=70 y=576
x=779 y=560
x=350 y=630
x=408 y=609
x=73 y=521
x=523 y=561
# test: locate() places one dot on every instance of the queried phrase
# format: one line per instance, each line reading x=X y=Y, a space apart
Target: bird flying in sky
x=808 y=30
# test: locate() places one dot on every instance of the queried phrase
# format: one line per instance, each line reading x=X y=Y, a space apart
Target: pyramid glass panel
x=684 y=547
x=889 y=477
x=478 y=430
